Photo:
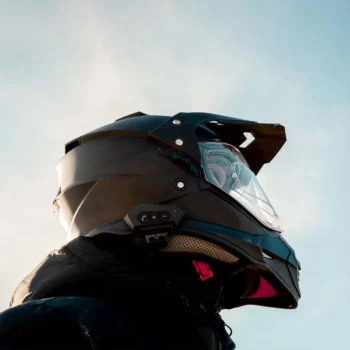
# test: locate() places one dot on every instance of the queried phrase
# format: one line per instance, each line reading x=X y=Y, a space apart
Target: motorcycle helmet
x=185 y=184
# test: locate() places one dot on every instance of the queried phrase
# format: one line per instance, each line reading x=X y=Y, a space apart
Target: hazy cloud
x=67 y=68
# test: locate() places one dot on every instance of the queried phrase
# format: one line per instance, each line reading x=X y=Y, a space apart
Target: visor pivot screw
x=179 y=142
x=177 y=122
x=180 y=184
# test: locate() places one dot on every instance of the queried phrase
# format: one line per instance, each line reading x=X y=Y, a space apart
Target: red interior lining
x=265 y=290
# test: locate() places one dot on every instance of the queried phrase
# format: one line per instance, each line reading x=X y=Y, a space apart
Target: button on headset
x=154 y=217
x=164 y=216
x=143 y=217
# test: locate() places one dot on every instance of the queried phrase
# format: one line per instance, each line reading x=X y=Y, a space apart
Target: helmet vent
x=72 y=144
x=136 y=114
x=194 y=245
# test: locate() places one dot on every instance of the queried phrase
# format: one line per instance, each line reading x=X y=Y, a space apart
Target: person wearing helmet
x=167 y=225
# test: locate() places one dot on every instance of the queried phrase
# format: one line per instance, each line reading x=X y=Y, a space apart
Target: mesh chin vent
x=194 y=245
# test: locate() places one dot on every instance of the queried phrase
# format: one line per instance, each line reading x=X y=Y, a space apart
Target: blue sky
x=69 y=67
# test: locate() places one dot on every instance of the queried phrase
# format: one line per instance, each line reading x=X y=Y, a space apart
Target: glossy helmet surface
x=142 y=159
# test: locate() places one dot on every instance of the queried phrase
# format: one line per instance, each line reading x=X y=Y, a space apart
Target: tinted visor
x=225 y=167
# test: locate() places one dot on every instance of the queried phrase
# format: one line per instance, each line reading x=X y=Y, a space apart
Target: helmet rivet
x=179 y=142
x=177 y=122
x=180 y=184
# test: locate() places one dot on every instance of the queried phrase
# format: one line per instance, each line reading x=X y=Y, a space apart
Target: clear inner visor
x=225 y=167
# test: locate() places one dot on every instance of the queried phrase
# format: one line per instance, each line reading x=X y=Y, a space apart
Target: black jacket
x=84 y=297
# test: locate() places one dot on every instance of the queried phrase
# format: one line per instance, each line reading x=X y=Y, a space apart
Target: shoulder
x=88 y=323
x=50 y=274
x=41 y=324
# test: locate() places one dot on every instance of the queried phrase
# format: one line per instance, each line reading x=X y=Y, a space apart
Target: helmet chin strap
x=208 y=293
x=203 y=270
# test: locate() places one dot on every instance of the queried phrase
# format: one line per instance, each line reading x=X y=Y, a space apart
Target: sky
x=67 y=68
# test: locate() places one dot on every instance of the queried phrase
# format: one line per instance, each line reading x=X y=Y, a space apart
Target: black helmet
x=187 y=182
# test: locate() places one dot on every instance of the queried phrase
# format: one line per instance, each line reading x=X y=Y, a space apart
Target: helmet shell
x=139 y=159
